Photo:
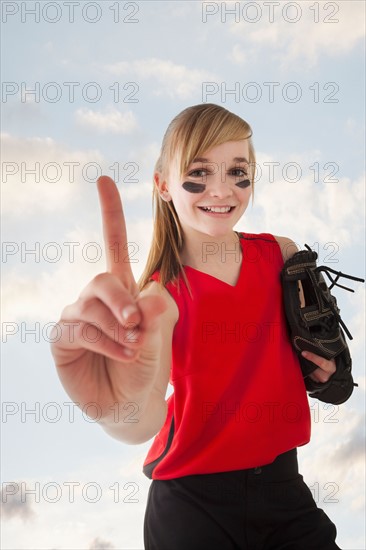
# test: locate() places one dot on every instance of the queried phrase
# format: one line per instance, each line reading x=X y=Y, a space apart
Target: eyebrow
x=235 y=159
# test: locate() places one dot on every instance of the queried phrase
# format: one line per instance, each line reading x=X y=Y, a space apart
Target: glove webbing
x=323 y=294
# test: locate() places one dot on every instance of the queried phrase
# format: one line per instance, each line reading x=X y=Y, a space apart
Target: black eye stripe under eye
x=243 y=184
x=192 y=187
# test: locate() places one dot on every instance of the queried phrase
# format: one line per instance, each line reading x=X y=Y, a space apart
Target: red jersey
x=239 y=397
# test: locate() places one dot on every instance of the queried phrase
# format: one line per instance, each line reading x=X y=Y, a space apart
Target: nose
x=220 y=186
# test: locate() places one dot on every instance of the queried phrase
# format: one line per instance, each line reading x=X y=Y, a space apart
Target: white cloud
x=96 y=508
x=41 y=296
x=147 y=156
x=305 y=210
x=142 y=189
x=356 y=323
x=355 y=128
x=341 y=455
x=179 y=10
x=172 y=80
x=112 y=121
x=12 y=505
x=333 y=462
x=334 y=31
x=238 y=55
x=56 y=181
x=100 y=544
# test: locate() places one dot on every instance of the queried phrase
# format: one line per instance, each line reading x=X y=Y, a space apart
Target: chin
x=217 y=231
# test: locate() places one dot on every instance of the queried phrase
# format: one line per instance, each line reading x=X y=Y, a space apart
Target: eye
x=199 y=173
x=240 y=172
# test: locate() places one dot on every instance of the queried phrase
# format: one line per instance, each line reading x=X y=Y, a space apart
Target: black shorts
x=267 y=508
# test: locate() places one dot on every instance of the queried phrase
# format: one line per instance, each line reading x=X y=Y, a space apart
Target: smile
x=217 y=209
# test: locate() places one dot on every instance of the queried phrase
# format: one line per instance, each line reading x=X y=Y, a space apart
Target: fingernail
x=304 y=354
x=128 y=311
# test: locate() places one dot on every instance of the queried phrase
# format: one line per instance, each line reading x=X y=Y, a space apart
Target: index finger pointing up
x=114 y=230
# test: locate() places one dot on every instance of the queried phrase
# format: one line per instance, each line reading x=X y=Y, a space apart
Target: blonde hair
x=192 y=132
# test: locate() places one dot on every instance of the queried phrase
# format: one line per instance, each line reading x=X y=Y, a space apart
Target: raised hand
x=109 y=352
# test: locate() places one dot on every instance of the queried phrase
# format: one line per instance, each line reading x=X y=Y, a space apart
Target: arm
x=124 y=365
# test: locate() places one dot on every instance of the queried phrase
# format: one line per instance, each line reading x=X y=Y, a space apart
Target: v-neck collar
x=220 y=281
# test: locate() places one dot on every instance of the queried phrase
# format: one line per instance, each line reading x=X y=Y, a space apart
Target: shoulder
x=287 y=246
x=153 y=288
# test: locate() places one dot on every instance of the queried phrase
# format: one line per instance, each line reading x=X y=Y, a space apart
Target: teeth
x=217 y=209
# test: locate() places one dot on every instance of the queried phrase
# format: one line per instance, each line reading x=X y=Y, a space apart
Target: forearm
x=136 y=421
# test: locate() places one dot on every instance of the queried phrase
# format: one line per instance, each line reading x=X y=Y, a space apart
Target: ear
x=162 y=187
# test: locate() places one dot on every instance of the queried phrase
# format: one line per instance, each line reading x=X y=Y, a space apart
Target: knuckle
x=97 y=281
x=100 y=278
x=67 y=312
x=328 y=366
x=85 y=306
x=319 y=375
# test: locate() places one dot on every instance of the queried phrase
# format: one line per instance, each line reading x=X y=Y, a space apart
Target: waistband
x=233 y=485
x=285 y=466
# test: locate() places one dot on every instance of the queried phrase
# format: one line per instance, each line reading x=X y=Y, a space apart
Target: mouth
x=217 y=210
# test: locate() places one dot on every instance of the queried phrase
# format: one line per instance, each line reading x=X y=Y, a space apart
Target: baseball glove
x=317 y=327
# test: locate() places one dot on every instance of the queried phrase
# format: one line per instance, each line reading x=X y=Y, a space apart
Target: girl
x=207 y=316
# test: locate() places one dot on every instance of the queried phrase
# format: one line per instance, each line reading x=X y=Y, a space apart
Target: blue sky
x=129 y=79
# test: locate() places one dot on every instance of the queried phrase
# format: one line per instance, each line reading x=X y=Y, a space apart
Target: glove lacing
x=323 y=295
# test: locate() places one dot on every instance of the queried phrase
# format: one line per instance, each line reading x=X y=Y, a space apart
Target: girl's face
x=214 y=192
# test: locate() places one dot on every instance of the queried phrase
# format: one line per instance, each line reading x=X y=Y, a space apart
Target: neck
x=202 y=250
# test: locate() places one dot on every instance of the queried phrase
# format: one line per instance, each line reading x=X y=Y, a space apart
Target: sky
x=89 y=88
